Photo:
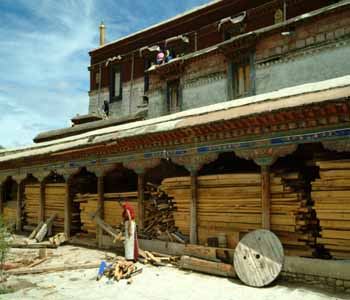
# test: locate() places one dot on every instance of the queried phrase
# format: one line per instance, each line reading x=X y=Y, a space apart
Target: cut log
x=26 y=271
x=208 y=267
x=202 y=252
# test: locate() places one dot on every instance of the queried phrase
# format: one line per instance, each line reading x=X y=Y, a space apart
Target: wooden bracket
x=101 y=170
x=141 y=166
x=266 y=156
x=193 y=163
x=339 y=146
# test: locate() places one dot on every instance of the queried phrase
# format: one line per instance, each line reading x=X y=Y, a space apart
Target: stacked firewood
x=159 y=220
x=121 y=269
x=156 y=259
x=331 y=194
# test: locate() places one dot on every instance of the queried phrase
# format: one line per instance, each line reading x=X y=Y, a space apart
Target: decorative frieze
x=204 y=80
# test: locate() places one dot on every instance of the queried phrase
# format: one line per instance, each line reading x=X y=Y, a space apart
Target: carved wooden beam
x=193 y=163
x=266 y=156
x=339 y=146
x=141 y=166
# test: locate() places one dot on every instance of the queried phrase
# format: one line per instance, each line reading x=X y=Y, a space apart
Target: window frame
x=113 y=70
x=170 y=84
x=247 y=62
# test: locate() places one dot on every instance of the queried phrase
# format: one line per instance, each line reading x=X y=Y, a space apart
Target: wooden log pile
x=112 y=209
x=121 y=269
x=293 y=218
x=31 y=203
x=331 y=195
x=231 y=203
x=159 y=221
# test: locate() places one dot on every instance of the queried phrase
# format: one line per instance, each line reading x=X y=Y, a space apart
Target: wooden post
x=100 y=207
x=193 y=208
x=67 y=207
x=42 y=201
x=1 y=197
x=19 y=206
x=266 y=197
x=141 y=198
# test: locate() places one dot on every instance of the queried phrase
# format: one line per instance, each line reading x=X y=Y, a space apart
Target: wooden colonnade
x=264 y=157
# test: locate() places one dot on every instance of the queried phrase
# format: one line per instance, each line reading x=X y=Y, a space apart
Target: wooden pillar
x=42 y=201
x=266 y=197
x=19 y=205
x=193 y=208
x=100 y=207
x=141 y=198
x=1 y=197
x=67 y=207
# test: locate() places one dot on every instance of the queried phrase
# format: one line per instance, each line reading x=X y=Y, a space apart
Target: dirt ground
x=154 y=283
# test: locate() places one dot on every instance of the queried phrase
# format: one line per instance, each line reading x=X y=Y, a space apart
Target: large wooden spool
x=258 y=258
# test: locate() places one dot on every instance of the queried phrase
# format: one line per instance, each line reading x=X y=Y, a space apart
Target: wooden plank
x=258 y=258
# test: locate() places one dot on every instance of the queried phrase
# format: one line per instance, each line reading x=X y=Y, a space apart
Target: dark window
x=241 y=77
x=116 y=92
x=241 y=80
x=173 y=96
x=146 y=75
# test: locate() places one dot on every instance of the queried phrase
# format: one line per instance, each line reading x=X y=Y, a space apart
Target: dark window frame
x=113 y=70
x=170 y=108
x=147 y=65
x=233 y=79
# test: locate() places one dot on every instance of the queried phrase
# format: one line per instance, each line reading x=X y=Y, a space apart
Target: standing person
x=130 y=243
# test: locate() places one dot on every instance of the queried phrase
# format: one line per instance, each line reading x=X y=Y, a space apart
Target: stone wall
x=312 y=52
x=205 y=82
x=328 y=274
x=127 y=106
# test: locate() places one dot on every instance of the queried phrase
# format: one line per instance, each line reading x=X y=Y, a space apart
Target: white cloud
x=44 y=47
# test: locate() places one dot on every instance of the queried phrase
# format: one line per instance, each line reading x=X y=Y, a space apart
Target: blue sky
x=44 y=57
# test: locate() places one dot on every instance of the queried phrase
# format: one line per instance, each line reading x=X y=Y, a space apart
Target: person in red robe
x=130 y=242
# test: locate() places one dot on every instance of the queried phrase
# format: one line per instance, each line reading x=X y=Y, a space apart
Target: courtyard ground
x=154 y=283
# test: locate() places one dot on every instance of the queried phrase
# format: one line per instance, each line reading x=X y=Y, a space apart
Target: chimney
x=102 y=34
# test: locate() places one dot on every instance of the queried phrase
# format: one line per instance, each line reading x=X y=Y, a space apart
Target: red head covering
x=128 y=207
